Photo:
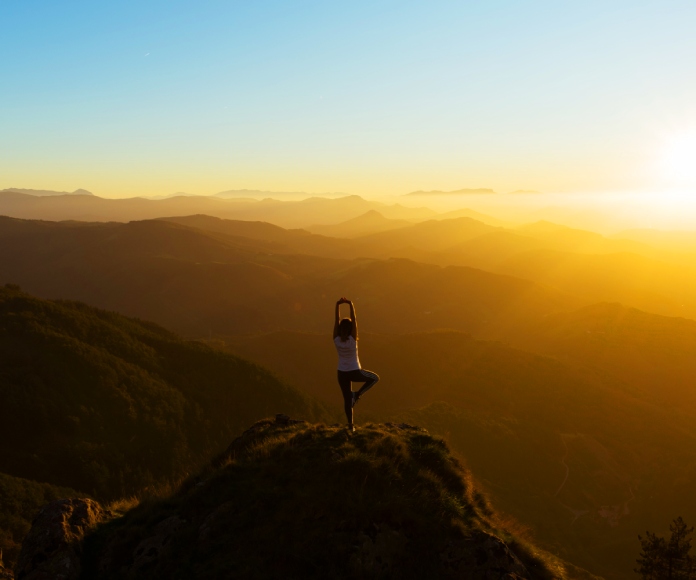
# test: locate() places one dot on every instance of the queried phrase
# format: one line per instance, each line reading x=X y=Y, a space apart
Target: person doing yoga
x=345 y=336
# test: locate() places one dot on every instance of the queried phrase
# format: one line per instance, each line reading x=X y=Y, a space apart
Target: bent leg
x=369 y=379
x=346 y=390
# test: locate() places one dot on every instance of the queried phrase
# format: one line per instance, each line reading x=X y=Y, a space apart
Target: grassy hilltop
x=290 y=499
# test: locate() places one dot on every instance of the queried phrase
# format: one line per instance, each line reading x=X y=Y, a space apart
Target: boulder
x=53 y=546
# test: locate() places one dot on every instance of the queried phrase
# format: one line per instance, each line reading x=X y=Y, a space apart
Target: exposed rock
x=53 y=546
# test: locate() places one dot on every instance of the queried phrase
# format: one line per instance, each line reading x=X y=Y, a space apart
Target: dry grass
x=303 y=501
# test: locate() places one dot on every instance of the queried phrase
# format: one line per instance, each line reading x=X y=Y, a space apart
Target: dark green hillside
x=20 y=499
x=295 y=500
x=106 y=404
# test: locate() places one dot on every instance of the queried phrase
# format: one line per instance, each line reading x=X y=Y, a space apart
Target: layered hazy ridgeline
x=556 y=362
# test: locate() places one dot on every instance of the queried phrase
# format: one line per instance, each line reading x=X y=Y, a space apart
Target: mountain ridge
x=465 y=191
x=45 y=192
x=285 y=213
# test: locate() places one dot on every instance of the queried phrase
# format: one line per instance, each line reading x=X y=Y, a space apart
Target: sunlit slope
x=676 y=241
x=577 y=262
x=581 y=263
x=429 y=236
x=297 y=500
x=203 y=283
x=653 y=356
x=571 y=450
x=585 y=264
x=449 y=235
x=107 y=404
x=568 y=239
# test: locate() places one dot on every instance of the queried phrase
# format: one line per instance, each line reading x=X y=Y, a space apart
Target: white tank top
x=347 y=354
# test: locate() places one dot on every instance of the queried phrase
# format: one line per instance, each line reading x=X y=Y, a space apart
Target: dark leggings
x=345 y=380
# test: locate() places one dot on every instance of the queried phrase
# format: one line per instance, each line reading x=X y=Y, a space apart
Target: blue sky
x=147 y=97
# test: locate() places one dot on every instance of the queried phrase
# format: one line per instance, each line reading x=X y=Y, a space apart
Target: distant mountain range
x=285 y=213
x=256 y=193
x=479 y=191
x=474 y=191
x=45 y=192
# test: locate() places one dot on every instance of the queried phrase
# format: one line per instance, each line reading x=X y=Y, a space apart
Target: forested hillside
x=109 y=405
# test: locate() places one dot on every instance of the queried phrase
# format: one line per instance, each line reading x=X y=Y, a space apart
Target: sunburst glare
x=678 y=160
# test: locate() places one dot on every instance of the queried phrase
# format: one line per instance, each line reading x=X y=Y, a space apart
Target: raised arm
x=354 y=334
x=338 y=308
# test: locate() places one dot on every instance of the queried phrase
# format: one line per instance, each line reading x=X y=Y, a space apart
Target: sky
x=382 y=97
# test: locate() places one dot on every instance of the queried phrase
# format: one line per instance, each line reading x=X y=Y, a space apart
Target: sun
x=678 y=162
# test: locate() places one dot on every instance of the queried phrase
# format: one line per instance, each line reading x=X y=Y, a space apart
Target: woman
x=345 y=335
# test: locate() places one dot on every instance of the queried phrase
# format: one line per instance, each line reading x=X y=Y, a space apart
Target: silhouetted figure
x=345 y=336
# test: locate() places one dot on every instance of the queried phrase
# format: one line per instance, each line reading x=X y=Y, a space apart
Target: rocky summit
x=291 y=499
x=53 y=548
